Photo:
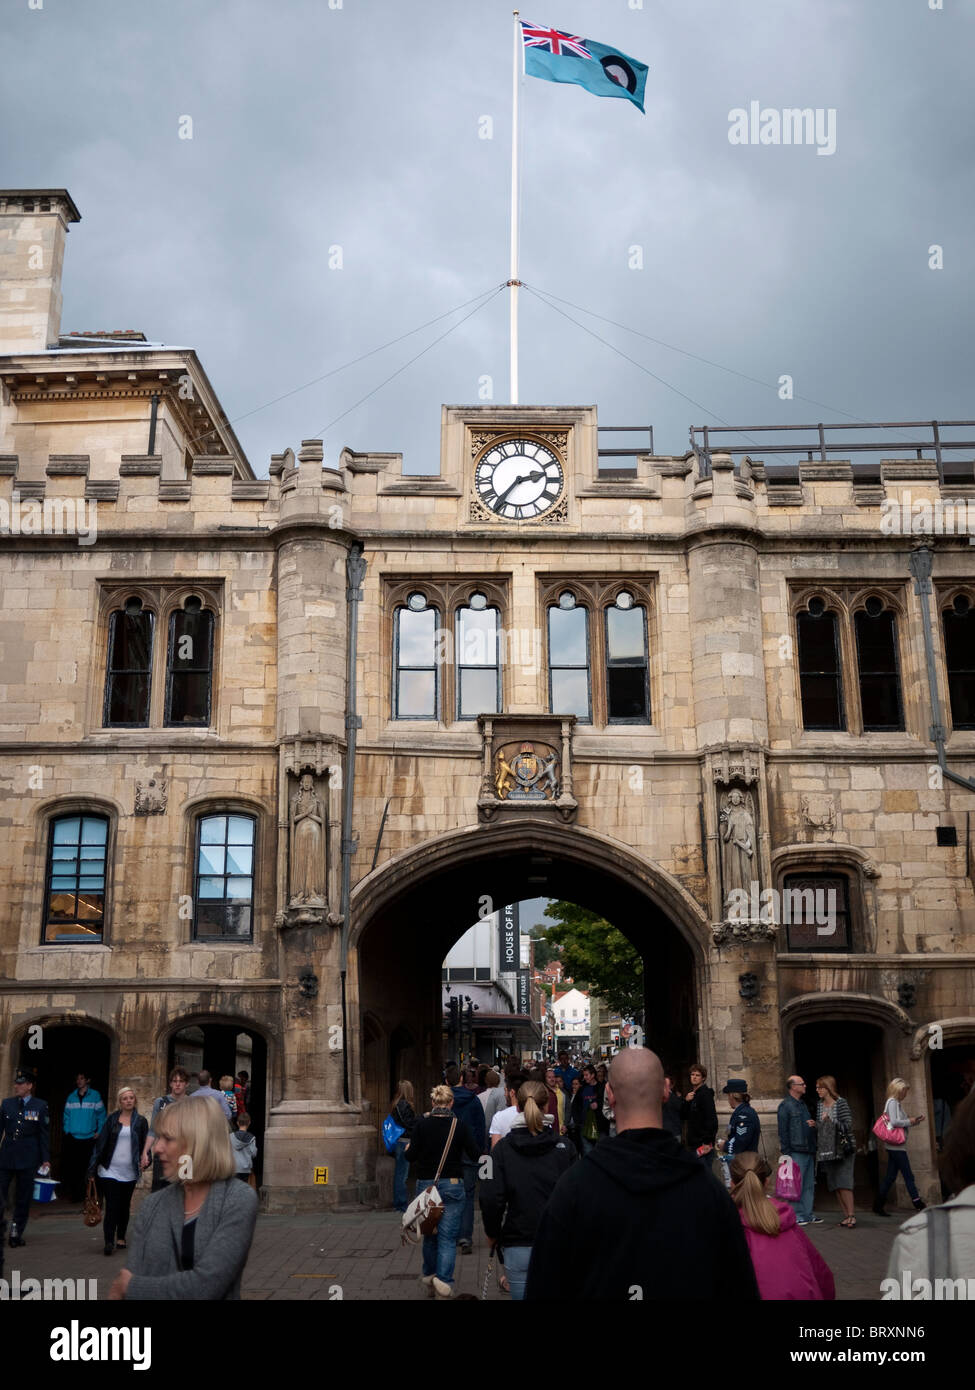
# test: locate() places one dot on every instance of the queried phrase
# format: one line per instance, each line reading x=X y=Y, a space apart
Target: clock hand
x=532 y=477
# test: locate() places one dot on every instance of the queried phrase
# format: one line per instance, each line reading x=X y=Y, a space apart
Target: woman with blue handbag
x=401 y=1118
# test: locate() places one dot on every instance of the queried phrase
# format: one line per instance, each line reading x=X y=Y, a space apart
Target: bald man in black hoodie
x=639 y=1217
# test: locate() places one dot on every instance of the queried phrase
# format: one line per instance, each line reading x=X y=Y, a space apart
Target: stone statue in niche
x=737 y=824
x=307 y=887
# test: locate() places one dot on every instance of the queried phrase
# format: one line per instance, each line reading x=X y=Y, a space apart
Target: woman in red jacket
x=787 y=1264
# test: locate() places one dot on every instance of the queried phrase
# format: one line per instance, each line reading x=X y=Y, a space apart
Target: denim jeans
x=466 y=1231
x=897 y=1163
x=401 y=1198
x=440 y=1250
x=806 y=1163
x=516 y=1261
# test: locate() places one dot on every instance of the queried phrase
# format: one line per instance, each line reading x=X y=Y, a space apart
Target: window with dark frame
x=415 y=670
x=958 y=624
x=129 y=676
x=477 y=659
x=627 y=674
x=224 y=877
x=815 y=912
x=879 y=672
x=820 y=681
x=189 y=665
x=569 y=659
x=74 y=888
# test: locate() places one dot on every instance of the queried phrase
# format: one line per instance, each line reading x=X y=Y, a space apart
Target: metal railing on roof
x=826 y=445
x=613 y=470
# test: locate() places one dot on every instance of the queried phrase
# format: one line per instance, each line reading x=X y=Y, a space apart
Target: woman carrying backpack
x=402 y=1112
x=526 y=1165
x=787 y=1264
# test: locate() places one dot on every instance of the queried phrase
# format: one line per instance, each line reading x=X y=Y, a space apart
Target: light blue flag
x=558 y=57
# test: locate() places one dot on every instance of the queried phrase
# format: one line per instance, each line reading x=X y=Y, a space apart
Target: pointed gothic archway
x=407 y=913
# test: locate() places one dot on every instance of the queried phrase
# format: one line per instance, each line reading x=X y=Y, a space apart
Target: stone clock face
x=519 y=479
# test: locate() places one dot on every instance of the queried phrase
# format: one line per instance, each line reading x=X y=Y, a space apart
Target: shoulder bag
x=888 y=1133
x=423 y=1215
x=393 y=1132
x=91 y=1212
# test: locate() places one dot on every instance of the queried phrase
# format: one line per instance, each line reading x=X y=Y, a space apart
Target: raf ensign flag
x=558 y=57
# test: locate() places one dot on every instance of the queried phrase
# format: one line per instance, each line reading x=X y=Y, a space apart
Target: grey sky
x=358 y=127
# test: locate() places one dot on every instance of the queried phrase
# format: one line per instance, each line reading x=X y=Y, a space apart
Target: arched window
x=224 y=878
x=820 y=682
x=568 y=658
x=477 y=659
x=415 y=685
x=74 y=890
x=189 y=664
x=958 y=623
x=880 y=684
x=627 y=684
x=129 y=666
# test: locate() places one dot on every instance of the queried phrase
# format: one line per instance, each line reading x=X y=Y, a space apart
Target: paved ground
x=315 y=1256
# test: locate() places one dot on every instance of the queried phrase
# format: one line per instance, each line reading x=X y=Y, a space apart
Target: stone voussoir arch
x=576 y=844
x=845 y=1004
x=957 y=1029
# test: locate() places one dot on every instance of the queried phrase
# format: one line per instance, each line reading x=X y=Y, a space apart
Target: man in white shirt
x=504 y=1119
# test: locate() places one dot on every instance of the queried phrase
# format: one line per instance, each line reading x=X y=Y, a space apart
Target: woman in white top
x=897 y=1160
x=118 y=1159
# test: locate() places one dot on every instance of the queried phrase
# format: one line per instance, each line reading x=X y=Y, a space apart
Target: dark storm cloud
x=357 y=127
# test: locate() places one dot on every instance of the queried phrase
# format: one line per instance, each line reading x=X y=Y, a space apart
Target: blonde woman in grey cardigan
x=835 y=1145
x=192 y=1239
x=897 y=1160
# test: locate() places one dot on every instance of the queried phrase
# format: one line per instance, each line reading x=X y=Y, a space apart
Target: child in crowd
x=787 y=1264
x=244 y=1146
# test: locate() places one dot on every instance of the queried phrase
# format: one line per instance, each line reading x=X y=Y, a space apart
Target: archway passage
x=226 y=1049
x=405 y=930
x=952 y=1079
x=853 y=1053
x=67 y=1049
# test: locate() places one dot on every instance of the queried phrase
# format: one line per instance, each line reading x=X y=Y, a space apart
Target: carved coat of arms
x=526 y=776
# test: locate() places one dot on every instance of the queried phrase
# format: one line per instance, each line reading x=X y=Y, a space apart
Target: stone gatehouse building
x=269 y=745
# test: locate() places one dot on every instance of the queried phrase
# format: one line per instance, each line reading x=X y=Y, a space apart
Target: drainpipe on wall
x=355 y=570
x=152 y=424
x=920 y=567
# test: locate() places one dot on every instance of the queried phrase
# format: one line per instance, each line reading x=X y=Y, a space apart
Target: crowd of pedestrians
x=196 y=1143
x=587 y=1174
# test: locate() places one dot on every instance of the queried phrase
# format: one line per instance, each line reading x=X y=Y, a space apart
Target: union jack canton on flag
x=558 y=57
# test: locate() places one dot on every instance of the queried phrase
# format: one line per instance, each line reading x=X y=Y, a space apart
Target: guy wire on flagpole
x=513 y=281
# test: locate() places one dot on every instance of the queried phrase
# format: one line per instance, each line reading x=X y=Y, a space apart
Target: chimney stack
x=33 y=225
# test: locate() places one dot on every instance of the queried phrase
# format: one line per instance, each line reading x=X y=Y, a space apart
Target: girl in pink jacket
x=787 y=1264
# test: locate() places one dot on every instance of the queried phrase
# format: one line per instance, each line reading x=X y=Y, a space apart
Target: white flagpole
x=513 y=282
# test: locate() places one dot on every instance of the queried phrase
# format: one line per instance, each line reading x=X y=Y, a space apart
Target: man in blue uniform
x=24 y=1150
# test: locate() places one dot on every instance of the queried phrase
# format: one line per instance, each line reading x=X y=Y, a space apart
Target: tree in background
x=593 y=950
x=545 y=952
